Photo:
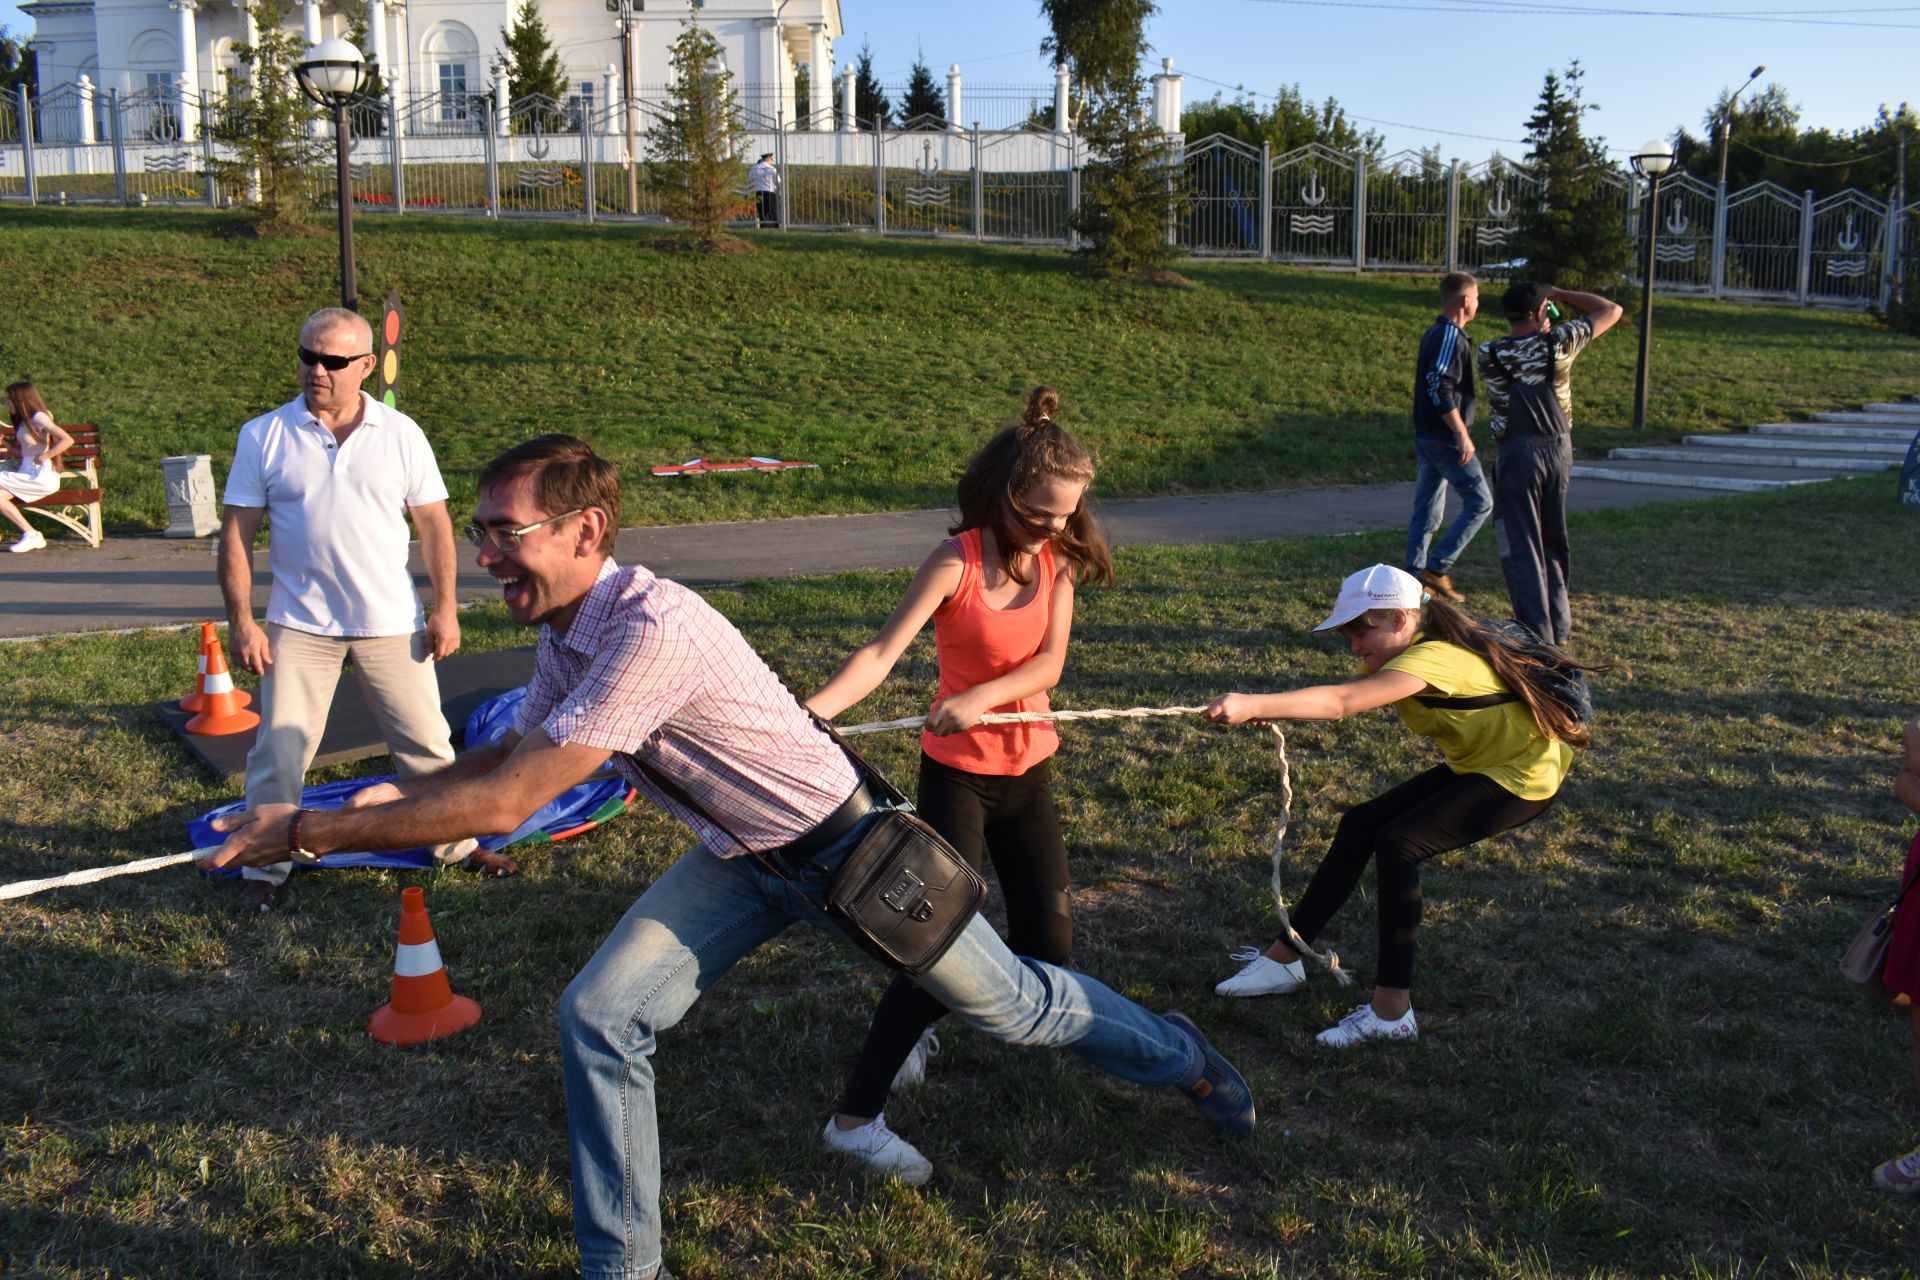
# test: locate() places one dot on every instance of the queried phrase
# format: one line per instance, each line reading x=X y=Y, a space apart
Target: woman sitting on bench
x=39 y=441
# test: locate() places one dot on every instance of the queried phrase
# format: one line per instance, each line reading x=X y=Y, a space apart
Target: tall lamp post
x=1651 y=162
x=1726 y=121
x=335 y=76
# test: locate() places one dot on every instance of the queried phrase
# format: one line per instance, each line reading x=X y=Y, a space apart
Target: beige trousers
x=400 y=686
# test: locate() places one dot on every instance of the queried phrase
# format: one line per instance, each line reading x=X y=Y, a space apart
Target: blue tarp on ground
x=578 y=809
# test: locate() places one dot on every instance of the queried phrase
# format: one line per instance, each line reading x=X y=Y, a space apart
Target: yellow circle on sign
x=390 y=367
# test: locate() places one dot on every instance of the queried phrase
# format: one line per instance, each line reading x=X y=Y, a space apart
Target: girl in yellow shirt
x=1507 y=747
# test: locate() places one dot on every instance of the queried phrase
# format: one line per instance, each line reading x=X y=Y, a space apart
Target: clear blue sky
x=1409 y=68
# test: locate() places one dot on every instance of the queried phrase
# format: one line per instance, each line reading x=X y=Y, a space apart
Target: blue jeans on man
x=1440 y=468
x=696 y=922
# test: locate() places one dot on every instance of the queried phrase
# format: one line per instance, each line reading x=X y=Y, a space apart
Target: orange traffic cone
x=197 y=700
x=423 y=1006
x=224 y=709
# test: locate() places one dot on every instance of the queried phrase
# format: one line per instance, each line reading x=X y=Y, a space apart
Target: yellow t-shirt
x=1500 y=741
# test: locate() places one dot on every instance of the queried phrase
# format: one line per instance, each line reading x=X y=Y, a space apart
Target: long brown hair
x=1517 y=668
x=1032 y=451
x=23 y=401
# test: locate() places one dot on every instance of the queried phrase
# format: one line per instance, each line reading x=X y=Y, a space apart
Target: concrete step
x=1892 y=415
x=1755 y=458
x=1835 y=431
x=1732 y=477
x=1910 y=405
x=1865 y=448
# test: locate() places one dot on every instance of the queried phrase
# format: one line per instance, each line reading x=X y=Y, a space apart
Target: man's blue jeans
x=1439 y=467
x=696 y=922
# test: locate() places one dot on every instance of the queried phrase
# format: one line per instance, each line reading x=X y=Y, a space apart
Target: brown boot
x=1442 y=585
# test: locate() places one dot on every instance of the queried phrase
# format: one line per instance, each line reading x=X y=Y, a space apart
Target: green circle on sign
x=388 y=399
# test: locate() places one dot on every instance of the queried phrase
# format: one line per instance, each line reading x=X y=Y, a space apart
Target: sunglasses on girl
x=333 y=364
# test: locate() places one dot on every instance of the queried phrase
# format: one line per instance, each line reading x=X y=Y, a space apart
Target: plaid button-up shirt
x=649 y=667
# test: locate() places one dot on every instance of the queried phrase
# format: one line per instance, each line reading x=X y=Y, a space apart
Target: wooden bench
x=76 y=508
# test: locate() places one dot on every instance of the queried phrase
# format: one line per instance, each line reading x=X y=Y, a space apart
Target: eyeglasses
x=509 y=539
x=332 y=363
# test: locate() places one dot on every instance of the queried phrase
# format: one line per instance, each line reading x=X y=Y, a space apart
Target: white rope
x=22 y=888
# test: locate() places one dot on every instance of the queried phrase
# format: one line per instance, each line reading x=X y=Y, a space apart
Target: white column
x=377 y=32
x=313 y=22
x=610 y=84
x=1062 y=119
x=847 y=123
x=189 y=37
x=819 y=75
x=1166 y=98
x=87 y=112
x=953 y=97
x=399 y=73
x=249 y=28
x=500 y=106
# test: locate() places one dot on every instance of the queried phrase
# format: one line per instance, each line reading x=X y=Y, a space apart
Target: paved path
x=153 y=581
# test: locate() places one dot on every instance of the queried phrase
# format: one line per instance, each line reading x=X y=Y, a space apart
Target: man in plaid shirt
x=634 y=667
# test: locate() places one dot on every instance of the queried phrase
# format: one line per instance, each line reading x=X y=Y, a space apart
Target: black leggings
x=1434 y=812
x=1011 y=819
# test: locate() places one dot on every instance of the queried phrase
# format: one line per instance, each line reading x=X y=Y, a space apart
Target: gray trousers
x=1530 y=524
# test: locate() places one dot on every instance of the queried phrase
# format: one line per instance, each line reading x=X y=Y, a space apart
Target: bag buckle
x=904 y=895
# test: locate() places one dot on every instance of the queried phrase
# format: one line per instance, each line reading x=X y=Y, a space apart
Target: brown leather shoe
x=258 y=897
x=1442 y=585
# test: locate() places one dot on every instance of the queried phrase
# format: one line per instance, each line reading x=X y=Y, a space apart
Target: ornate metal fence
x=1848 y=244
x=1225 y=194
x=1314 y=206
x=1316 y=197
x=1763 y=247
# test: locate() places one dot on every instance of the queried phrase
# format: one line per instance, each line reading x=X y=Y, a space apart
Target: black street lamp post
x=1652 y=163
x=335 y=76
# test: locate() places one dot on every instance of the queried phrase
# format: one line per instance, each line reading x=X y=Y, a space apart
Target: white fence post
x=396 y=152
x=1266 y=202
x=953 y=98
x=119 y=146
x=1719 y=262
x=979 y=196
x=25 y=108
x=1360 y=211
x=1806 y=247
x=1453 y=217
x=490 y=148
x=587 y=148
x=879 y=178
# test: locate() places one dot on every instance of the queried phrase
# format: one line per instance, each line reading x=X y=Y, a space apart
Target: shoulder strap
x=1474 y=703
x=1905 y=889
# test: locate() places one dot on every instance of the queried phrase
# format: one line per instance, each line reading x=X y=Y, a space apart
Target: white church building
x=443 y=48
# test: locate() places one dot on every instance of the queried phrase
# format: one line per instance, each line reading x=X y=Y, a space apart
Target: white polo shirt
x=338 y=515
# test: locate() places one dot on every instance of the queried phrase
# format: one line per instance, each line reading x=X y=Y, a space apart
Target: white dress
x=33 y=476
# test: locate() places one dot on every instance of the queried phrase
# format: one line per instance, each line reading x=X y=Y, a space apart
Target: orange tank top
x=976 y=644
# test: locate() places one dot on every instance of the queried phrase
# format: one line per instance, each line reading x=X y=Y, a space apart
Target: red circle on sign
x=393 y=327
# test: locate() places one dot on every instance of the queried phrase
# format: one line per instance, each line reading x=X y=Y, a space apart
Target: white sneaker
x=913 y=1072
x=32 y=540
x=884 y=1150
x=1262 y=976
x=1364 y=1024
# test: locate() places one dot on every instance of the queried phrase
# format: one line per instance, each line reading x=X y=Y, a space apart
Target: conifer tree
x=697 y=144
x=925 y=106
x=263 y=124
x=1574 y=235
x=1132 y=188
x=870 y=104
x=531 y=66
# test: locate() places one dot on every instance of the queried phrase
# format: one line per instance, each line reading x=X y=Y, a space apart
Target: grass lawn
x=883 y=361
x=1637 y=1057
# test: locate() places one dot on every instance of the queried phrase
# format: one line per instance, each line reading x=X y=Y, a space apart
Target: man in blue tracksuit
x=1443 y=441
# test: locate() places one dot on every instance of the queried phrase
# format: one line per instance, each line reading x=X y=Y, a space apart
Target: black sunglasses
x=332 y=363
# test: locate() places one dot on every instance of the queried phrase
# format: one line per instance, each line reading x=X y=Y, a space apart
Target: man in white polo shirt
x=337 y=473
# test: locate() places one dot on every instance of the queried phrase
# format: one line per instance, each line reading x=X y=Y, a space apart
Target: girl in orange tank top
x=1000 y=594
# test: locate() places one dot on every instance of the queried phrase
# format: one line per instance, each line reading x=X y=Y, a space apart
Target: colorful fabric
x=579 y=809
x=648 y=666
x=976 y=644
x=1530 y=381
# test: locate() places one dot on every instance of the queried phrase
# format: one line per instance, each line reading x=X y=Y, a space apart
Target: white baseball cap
x=1380 y=587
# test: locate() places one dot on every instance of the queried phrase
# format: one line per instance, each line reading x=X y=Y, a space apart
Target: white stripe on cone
x=201 y=662
x=219 y=682
x=416 y=959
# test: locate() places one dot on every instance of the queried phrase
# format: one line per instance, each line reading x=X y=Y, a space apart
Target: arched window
x=452 y=59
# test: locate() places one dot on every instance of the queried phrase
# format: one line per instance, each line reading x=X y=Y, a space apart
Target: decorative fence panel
x=1764 y=225
x=1406 y=212
x=1848 y=248
x=1224 y=198
x=1489 y=202
x=1017 y=182
x=1313 y=206
x=1683 y=239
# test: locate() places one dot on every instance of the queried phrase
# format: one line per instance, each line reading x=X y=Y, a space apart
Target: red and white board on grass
x=710 y=466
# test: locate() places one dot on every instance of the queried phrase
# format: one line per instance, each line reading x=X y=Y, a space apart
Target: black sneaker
x=1216 y=1091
